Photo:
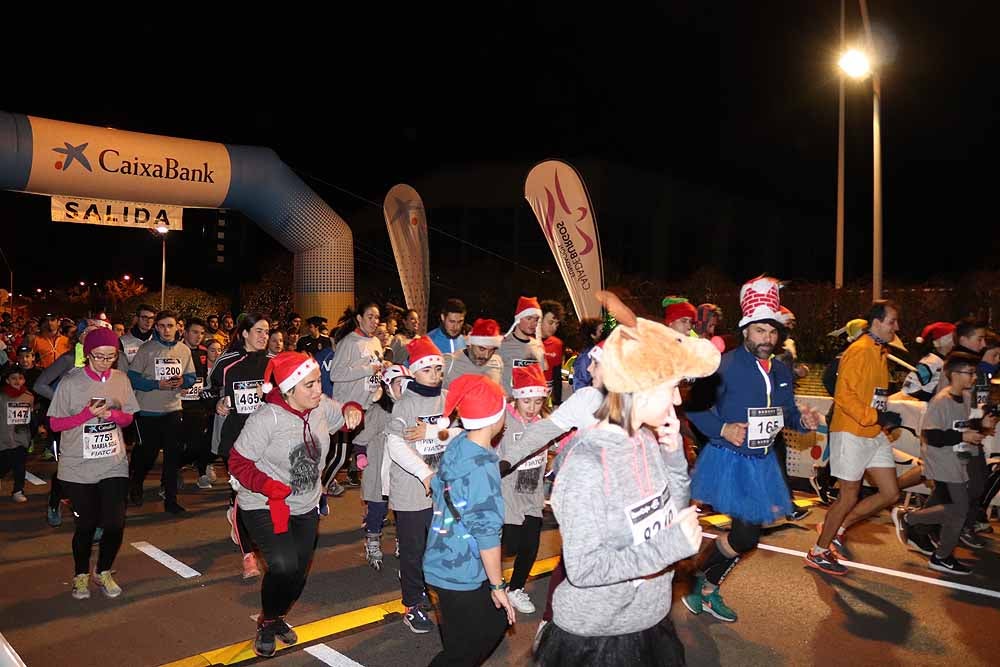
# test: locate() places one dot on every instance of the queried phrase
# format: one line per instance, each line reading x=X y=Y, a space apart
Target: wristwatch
x=502 y=586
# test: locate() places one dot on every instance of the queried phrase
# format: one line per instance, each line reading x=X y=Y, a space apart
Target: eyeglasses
x=104 y=357
x=965 y=372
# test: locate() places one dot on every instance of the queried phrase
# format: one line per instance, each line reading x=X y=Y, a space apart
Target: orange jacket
x=863 y=369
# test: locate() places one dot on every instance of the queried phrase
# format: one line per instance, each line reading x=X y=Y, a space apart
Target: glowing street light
x=127 y=277
x=855 y=64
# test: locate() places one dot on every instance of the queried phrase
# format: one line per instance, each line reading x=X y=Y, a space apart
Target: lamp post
x=162 y=231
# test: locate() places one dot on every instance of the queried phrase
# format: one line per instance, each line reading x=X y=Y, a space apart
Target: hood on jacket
x=462 y=457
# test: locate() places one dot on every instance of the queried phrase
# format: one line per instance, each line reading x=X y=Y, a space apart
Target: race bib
x=130 y=351
x=193 y=393
x=521 y=363
x=537 y=461
x=529 y=473
x=166 y=369
x=649 y=516
x=431 y=449
x=247 y=396
x=763 y=426
x=101 y=441
x=880 y=400
x=18 y=414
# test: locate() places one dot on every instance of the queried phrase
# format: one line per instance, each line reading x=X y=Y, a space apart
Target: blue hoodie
x=471 y=474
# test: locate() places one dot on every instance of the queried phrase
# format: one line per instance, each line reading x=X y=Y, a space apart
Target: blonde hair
x=617 y=409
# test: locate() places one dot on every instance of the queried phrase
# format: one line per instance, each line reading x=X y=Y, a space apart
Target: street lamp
x=162 y=231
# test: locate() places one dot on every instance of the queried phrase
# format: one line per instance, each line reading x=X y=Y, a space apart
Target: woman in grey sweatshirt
x=621 y=499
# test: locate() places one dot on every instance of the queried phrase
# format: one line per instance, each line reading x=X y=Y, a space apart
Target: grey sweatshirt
x=458 y=364
x=16 y=415
x=523 y=491
x=514 y=352
x=613 y=498
x=351 y=369
x=413 y=461
x=156 y=361
x=273 y=439
x=372 y=437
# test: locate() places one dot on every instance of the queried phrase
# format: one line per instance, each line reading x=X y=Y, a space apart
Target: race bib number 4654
x=246 y=396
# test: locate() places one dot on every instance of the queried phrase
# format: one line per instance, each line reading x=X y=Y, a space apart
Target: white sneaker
x=204 y=482
x=19 y=497
x=520 y=600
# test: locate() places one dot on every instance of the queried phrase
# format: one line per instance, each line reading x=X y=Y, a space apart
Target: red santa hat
x=529 y=382
x=677 y=307
x=935 y=331
x=423 y=353
x=527 y=306
x=287 y=370
x=759 y=302
x=485 y=333
x=480 y=401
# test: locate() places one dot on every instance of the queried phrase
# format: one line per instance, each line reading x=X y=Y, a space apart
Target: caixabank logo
x=110 y=160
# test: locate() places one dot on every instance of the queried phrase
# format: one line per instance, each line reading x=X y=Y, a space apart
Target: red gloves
x=276 y=493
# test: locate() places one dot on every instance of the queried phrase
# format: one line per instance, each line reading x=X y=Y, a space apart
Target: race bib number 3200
x=763 y=426
x=166 y=369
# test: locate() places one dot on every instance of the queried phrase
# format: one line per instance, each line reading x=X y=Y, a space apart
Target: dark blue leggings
x=375 y=516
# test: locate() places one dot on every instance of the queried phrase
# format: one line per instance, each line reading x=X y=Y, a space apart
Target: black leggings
x=101 y=504
x=156 y=433
x=13 y=460
x=471 y=626
x=288 y=556
x=522 y=542
x=743 y=538
x=336 y=456
x=196 y=438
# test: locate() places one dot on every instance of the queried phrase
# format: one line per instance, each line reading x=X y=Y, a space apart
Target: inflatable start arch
x=49 y=157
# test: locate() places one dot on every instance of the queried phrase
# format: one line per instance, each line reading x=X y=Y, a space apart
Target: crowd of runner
x=463 y=432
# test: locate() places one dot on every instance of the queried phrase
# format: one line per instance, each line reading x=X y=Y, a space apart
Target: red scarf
x=14 y=393
x=274 y=397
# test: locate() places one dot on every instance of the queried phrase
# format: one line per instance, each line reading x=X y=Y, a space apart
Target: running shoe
x=324 y=505
x=519 y=600
x=982 y=527
x=825 y=561
x=714 y=605
x=263 y=644
x=204 y=482
x=334 y=489
x=135 y=497
x=173 y=508
x=353 y=479
x=162 y=493
x=837 y=544
x=373 y=552
x=969 y=539
x=950 y=565
x=19 y=497
x=53 y=515
x=284 y=632
x=899 y=521
x=417 y=621
x=250 y=567
x=81 y=586
x=231 y=518
x=919 y=542
x=798 y=513
x=693 y=600
x=107 y=584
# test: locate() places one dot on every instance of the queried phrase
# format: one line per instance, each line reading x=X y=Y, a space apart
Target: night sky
x=738 y=98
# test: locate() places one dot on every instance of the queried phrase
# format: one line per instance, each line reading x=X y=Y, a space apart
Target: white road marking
x=37 y=481
x=166 y=560
x=8 y=656
x=328 y=656
x=884 y=570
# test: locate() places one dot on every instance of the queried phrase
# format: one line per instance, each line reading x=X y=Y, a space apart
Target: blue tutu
x=748 y=488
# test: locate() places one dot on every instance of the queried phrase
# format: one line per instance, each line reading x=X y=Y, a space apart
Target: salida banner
x=407 y=223
x=116 y=213
x=560 y=201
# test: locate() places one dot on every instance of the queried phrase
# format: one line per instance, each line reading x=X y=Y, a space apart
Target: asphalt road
x=789 y=615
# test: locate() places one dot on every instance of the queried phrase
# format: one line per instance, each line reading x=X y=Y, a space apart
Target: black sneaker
x=263 y=645
x=798 y=513
x=353 y=479
x=417 y=621
x=919 y=542
x=173 y=508
x=284 y=632
x=899 y=521
x=950 y=564
x=135 y=497
x=969 y=539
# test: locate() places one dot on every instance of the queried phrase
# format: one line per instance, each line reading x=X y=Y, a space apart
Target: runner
x=16 y=407
x=520 y=347
x=462 y=560
x=679 y=314
x=857 y=442
x=479 y=357
x=276 y=460
x=90 y=407
x=140 y=332
x=159 y=372
x=922 y=384
x=621 y=499
x=448 y=336
x=737 y=472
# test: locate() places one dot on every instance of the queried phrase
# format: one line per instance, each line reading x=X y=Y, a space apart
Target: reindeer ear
x=621 y=312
